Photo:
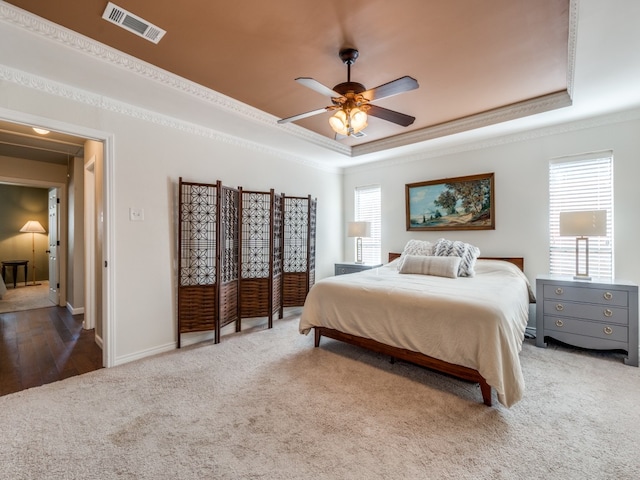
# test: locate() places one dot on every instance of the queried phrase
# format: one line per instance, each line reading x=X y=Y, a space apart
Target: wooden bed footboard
x=458 y=371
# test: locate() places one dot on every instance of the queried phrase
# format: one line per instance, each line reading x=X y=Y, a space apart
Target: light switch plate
x=136 y=214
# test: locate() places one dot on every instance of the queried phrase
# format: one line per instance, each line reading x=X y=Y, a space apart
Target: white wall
x=521 y=190
x=148 y=159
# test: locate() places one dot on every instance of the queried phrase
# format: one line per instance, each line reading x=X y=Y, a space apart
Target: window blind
x=578 y=184
x=368 y=201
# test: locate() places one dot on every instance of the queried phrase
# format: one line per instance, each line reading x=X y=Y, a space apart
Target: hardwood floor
x=43 y=346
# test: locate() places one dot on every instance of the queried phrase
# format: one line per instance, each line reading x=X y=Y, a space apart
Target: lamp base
x=586 y=278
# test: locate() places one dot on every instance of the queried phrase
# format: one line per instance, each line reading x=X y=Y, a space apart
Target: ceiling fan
x=352 y=101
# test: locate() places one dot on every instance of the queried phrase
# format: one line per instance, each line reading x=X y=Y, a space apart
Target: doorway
x=95 y=280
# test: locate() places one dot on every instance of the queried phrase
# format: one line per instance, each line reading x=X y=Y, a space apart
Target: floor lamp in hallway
x=33 y=227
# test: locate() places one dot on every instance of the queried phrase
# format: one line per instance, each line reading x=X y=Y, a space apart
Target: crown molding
x=77 y=95
x=42 y=27
x=472 y=122
x=568 y=127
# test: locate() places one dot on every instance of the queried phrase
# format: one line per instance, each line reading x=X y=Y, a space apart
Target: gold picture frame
x=460 y=203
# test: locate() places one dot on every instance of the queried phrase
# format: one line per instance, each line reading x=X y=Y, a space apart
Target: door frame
x=108 y=232
x=89 y=243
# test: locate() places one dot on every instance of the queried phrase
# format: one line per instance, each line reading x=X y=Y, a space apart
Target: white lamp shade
x=33 y=226
x=591 y=223
x=359 y=229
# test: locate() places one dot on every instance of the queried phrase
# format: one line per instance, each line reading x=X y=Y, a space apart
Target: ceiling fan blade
x=304 y=115
x=390 y=115
x=394 y=87
x=317 y=86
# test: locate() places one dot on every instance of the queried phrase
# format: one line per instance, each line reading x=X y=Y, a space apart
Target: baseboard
x=75 y=311
x=144 y=353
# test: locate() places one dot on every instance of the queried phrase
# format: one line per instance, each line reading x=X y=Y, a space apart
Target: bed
x=471 y=327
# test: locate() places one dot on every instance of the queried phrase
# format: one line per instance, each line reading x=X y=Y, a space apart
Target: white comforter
x=477 y=322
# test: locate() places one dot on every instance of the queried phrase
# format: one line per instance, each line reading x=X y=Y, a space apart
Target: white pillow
x=438 y=266
x=467 y=253
x=415 y=247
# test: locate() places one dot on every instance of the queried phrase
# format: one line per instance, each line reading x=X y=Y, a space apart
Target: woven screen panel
x=229 y=311
x=294 y=289
x=197 y=295
x=255 y=297
x=197 y=308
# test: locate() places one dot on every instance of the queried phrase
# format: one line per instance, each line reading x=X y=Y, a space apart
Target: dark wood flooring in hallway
x=43 y=346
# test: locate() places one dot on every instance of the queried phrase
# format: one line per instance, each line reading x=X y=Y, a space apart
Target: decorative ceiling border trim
x=499 y=115
x=77 y=95
x=40 y=26
x=474 y=145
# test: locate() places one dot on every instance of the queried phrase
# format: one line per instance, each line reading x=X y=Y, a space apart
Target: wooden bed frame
x=421 y=359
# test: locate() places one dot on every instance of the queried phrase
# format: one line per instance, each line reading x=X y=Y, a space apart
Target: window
x=368 y=209
x=576 y=184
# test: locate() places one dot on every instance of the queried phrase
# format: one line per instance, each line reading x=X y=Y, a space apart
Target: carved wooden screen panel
x=197 y=310
x=256 y=254
x=229 y=248
x=312 y=243
x=298 y=249
x=276 y=262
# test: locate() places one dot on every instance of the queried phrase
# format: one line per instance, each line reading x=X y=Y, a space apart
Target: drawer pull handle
x=607 y=330
x=559 y=291
x=608 y=295
x=607 y=312
x=559 y=323
x=559 y=307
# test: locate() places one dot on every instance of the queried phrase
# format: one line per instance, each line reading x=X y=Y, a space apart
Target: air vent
x=133 y=23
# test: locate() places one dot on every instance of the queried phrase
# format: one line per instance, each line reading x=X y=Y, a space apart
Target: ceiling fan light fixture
x=358 y=119
x=339 y=122
x=346 y=122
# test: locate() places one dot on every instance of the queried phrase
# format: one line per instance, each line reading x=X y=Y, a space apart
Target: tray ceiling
x=489 y=61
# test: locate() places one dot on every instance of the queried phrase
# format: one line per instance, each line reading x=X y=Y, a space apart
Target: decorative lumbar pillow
x=468 y=254
x=415 y=247
x=438 y=266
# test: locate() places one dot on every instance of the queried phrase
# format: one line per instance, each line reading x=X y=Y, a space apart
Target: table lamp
x=582 y=225
x=359 y=230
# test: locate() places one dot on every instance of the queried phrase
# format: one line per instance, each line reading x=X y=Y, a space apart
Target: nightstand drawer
x=591 y=329
x=602 y=313
x=589 y=295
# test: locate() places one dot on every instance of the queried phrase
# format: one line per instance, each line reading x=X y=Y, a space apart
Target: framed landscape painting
x=461 y=203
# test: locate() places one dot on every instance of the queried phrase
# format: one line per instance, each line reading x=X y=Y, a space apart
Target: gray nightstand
x=601 y=315
x=352 y=267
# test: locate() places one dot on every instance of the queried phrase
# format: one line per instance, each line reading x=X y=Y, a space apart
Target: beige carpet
x=266 y=404
x=25 y=297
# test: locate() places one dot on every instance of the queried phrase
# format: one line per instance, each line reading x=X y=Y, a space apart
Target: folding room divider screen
x=242 y=254
x=299 y=249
